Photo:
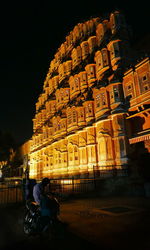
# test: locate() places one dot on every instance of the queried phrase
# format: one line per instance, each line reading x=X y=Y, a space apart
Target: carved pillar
x=83 y=153
x=105 y=146
x=120 y=142
x=91 y=149
x=33 y=166
x=55 y=161
x=44 y=161
x=50 y=161
x=73 y=155
x=64 y=158
x=41 y=163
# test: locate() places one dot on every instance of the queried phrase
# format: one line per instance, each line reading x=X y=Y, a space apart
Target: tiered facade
x=81 y=116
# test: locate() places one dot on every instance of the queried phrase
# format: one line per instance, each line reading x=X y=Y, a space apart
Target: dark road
x=11 y=235
x=111 y=223
x=70 y=241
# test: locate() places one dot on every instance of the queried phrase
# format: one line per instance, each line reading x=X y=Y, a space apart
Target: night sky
x=31 y=32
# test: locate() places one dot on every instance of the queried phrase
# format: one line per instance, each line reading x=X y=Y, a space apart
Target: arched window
x=103 y=99
x=90 y=108
x=74 y=116
x=75 y=149
x=104 y=57
x=97 y=100
x=69 y=118
x=77 y=82
x=99 y=33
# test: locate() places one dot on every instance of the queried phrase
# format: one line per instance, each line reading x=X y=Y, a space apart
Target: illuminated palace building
x=94 y=110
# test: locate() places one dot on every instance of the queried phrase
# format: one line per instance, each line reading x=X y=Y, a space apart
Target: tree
x=7 y=143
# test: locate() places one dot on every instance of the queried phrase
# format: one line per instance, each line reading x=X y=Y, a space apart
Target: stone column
x=91 y=149
x=33 y=166
x=105 y=147
x=83 y=153
x=73 y=155
x=120 y=142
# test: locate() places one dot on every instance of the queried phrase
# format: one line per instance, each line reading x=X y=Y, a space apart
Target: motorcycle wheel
x=27 y=229
x=27 y=225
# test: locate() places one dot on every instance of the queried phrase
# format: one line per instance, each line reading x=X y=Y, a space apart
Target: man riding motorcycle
x=39 y=190
x=43 y=211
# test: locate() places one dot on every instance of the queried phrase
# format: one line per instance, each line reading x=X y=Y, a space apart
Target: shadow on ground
x=110 y=223
x=11 y=234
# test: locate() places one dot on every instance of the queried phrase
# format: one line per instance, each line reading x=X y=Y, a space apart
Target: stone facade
x=84 y=115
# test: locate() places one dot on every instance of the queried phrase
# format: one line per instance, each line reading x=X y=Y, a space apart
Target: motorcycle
x=35 y=222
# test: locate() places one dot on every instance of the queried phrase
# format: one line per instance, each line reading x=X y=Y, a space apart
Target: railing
x=79 y=186
x=72 y=186
x=10 y=194
x=12 y=191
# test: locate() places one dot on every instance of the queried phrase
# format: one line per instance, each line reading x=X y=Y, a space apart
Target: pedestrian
x=28 y=192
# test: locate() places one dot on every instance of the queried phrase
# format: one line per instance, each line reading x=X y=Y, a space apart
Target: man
x=48 y=205
x=39 y=190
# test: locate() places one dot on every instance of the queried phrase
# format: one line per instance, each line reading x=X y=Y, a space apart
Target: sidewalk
x=110 y=223
x=98 y=223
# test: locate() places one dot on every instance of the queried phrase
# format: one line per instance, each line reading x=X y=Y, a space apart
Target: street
x=11 y=234
x=94 y=223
